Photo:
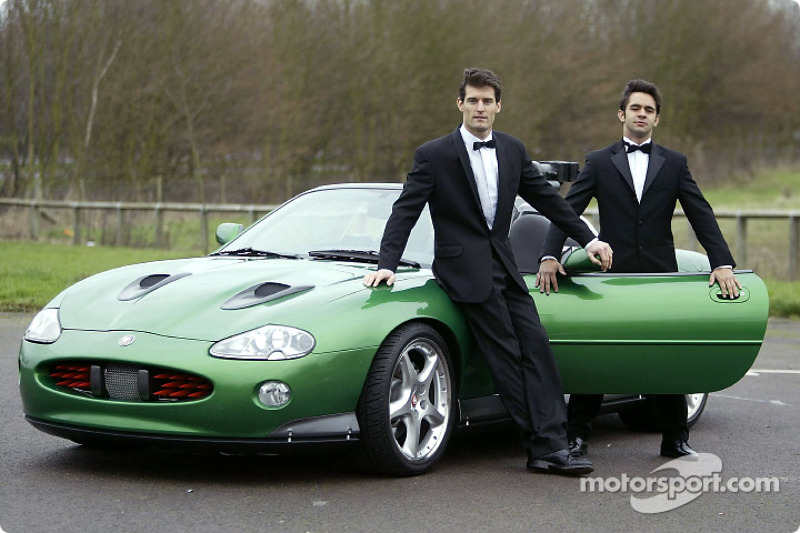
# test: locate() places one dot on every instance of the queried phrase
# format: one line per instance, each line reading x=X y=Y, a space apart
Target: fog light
x=274 y=394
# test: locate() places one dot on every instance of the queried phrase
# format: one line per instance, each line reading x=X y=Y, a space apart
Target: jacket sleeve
x=406 y=210
x=701 y=216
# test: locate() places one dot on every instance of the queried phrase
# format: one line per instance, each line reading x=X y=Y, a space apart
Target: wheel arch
x=454 y=345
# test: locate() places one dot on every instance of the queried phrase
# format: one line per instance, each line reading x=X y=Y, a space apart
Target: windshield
x=334 y=219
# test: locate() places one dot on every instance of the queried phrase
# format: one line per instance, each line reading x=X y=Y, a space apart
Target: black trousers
x=671 y=412
x=509 y=334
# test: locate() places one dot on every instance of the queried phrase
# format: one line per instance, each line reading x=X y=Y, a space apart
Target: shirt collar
x=650 y=140
x=469 y=138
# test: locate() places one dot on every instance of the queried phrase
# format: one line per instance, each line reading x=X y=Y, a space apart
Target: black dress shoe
x=578 y=447
x=561 y=463
x=677 y=448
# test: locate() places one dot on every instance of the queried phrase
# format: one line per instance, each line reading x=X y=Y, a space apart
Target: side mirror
x=557 y=172
x=576 y=261
x=227 y=231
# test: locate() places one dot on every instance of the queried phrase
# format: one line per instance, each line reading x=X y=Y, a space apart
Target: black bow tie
x=477 y=145
x=643 y=147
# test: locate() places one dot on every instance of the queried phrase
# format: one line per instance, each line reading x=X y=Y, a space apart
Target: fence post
x=76 y=223
x=35 y=216
x=204 y=228
x=120 y=223
x=741 y=238
x=794 y=247
x=159 y=224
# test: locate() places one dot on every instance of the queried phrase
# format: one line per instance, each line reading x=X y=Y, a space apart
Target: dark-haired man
x=637 y=184
x=470 y=178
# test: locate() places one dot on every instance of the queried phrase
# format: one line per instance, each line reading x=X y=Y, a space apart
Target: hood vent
x=263 y=292
x=147 y=284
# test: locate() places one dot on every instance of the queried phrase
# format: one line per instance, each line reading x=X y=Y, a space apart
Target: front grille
x=128 y=382
x=179 y=386
x=72 y=376
x=122 y=382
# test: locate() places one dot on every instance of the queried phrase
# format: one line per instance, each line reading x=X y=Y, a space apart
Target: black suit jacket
x=442 y=177
x=640 y=233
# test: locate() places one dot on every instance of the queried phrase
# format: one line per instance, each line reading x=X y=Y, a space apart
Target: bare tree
x=99 y=51
x=11 y=58
x=165 y=99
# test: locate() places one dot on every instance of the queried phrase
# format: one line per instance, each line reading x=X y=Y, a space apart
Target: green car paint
x=626 y=334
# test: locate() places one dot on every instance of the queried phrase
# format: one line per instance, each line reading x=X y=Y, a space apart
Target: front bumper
x=328 y=432
x=324 y=386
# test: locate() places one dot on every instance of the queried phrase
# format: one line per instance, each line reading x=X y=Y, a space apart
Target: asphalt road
x=481 y=485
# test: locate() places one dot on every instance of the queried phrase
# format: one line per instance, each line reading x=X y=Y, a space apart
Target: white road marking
x=773 y=402
x=757 y=371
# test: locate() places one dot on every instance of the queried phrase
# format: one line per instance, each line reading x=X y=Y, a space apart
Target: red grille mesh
x=171 y=385
x=72 y=376
x=165 y=385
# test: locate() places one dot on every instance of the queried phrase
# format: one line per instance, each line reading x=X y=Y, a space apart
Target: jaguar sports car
x=272 y=344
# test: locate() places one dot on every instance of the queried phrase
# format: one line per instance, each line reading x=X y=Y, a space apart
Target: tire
x=643 y=416
x=406 y=409
x=696 y=404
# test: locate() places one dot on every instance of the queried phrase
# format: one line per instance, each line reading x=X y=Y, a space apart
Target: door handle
x=717 y=296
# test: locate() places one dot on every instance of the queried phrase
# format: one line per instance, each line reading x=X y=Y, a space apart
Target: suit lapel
x=463 y=157
x=653 y=167
x=620 y=160
x=502 y=183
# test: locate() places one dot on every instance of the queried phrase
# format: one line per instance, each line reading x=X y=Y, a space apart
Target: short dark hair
x=479 y=77
x=640 y=86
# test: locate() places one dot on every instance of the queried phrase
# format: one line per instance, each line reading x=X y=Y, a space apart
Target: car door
x=650 y=333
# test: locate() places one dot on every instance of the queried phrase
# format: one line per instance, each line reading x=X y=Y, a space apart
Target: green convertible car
x=272 y=343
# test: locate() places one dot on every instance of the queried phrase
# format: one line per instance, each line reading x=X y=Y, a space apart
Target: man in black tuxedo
x=470 y=179
x=637 y=184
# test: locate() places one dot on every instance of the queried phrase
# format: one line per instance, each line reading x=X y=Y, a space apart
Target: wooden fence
x=121 y=208
x=35 y=208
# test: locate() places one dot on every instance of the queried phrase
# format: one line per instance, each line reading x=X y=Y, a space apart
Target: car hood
x=206 y=298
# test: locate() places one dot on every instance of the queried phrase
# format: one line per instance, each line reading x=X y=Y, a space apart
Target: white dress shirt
x=638 y=162
x=484 y=167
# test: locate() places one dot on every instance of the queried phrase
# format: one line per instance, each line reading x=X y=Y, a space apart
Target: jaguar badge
x=127 y=340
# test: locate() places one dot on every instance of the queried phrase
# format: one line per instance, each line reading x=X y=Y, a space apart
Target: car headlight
x=45 y=327
x=267 y=343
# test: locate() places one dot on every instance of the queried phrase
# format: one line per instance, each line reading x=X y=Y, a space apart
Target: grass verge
x=31 y=274
x=784 y=298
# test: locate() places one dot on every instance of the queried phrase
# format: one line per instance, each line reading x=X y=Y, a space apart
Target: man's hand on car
x=547 y=276
x=599 y=253
x=373 y=279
